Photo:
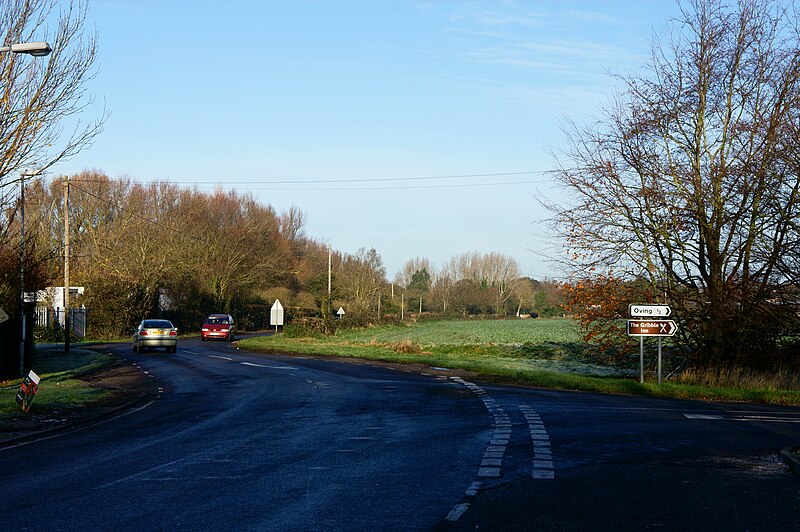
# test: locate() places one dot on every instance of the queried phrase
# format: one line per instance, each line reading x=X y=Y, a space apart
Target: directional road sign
x=3 y=316
x=652 y=328
x=653 y=311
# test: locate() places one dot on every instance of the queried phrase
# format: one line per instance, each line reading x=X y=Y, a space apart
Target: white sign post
x=652 y=327
x=340 y=313
x=276 y=315
x=3 y=316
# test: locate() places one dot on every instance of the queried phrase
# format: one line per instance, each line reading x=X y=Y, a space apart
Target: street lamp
x=36 y=49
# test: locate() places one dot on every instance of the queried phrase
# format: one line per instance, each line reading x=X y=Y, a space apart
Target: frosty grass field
x=546 y=353
x=474 y=332
x=509 y=346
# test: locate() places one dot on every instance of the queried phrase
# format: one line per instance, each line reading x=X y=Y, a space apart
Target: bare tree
x=692 y=179
x=524 y=294
x=360 y=277
x=442 y=289
x=414 y=267
x=489 y=271
x=466 y=266
x=501 y=271
x=39 y=96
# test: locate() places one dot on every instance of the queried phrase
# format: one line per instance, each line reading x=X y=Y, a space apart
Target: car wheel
x=135 y=349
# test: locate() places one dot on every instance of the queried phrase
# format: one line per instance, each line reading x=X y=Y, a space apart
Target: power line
x=328 y=189
x=127 y=211
x=417 y=187
x=254 y=184
x=385 y=179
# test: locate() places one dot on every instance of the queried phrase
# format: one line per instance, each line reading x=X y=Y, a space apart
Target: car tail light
x=173 y=333
x=142 y=333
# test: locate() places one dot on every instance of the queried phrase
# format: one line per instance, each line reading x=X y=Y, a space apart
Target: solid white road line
x=266 y=366
x=751 y=419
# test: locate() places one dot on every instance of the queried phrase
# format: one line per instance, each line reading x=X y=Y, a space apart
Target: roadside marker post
x=652 y=327
x=276 y=314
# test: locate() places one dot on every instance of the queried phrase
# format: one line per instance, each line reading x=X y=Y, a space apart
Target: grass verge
x=502 y=362
x=60 y=386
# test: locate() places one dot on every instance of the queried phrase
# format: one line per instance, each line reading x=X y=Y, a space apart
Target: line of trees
x=147 y=249
x=159 y=249
x=478 y=283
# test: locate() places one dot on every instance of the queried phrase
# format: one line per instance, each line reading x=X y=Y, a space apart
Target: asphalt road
x=237 y=441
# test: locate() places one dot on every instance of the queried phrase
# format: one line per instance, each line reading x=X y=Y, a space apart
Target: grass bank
x=541 y=353
x=60 y=386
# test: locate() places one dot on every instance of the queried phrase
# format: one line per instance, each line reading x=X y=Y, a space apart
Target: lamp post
x=36 y=49
x=22 y=177
x=22 y=272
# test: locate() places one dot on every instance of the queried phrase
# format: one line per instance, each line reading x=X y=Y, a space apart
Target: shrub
x=407 y=347
x=307 y=328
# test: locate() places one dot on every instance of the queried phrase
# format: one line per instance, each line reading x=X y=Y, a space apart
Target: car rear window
x=216 y=320
x=157 y=324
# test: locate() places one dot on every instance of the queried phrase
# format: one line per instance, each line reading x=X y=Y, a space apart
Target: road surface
x=248 y=442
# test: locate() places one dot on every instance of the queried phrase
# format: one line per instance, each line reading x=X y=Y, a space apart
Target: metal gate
x=51 y=318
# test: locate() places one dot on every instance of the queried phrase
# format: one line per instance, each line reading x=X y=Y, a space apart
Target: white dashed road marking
x=457 y=511
x=542 y=467
x=491 y=466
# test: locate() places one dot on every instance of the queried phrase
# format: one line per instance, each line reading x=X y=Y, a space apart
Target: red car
x=219 y=326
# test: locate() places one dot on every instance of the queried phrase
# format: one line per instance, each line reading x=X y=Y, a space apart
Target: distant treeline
x=162 y=250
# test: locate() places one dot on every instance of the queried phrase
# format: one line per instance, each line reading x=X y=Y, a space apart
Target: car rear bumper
x=166 y=341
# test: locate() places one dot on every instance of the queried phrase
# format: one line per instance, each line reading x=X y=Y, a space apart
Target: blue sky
x=340 y=108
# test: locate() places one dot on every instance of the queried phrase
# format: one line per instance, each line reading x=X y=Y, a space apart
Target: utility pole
x=67 y=324
x=328 y=313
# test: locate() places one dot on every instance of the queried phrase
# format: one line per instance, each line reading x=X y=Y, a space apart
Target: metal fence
x=53 y=319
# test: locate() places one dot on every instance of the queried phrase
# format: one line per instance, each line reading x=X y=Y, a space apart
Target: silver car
x=155 y=333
